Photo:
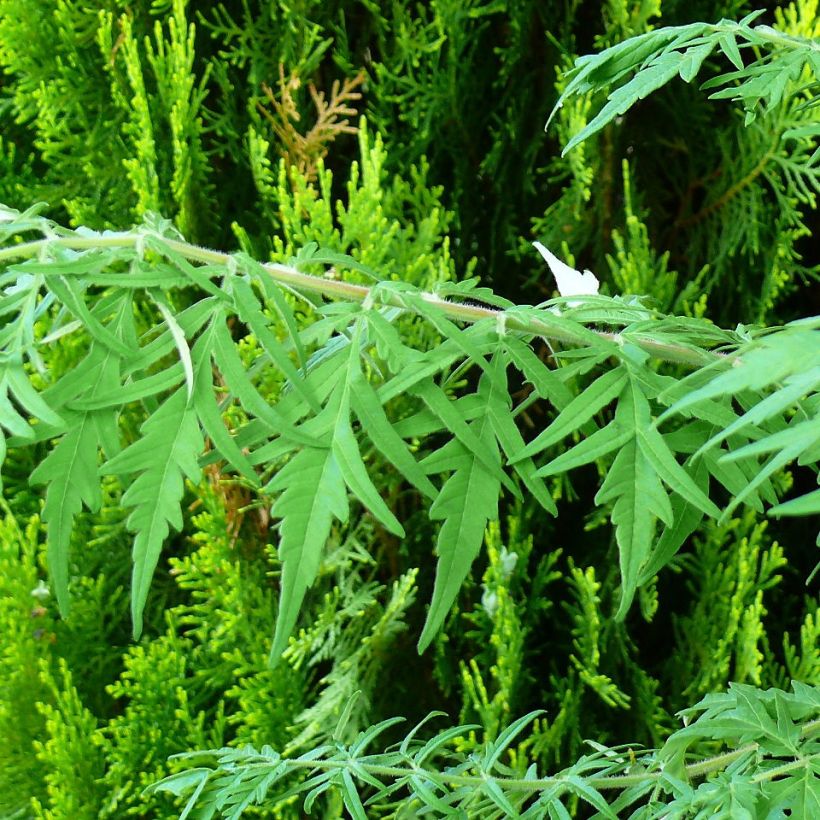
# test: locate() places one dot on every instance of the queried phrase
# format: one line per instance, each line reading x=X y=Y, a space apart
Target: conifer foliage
x=355 y=456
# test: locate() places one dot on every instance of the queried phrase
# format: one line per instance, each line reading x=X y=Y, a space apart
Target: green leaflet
x=547 y=384
x=312 y=253
x=273 y=292
x=74 y=383
x=589 y=449
x=190 y=320
x=789 y=358
x=657 y=74
x=656 y=57
x=313 y=493
x=71 y=294
x=166 y=453
x=346 y=449
x=671 y=539
x=791 y=351
x=633 y=482
x=639 y=499
x=808 y=504
x=499 y=411
x=735 y=477
x=180 y=342
x=233 y=372
x=771 y=717
x=118 y=395
x=197 y=276
x=314 y=485
x=466 y=502
x=15 y=384
x=789 y=453
x=425 y=422
x=771 y=406
x=580 y=410
x=452 y=332
x=389 y=346
x=17 y=381
x=207 y=408
x=70 y=469
x=368 y=408
x=436 y=399
x=249 y=310
x=671 y=473
x=439 y=358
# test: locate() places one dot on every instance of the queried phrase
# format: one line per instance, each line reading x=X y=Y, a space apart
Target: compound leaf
x=166 y=452
x=313 y=494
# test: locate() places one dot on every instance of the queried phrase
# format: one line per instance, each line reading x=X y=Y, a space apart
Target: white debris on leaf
x=41 y=591
x=570 y=282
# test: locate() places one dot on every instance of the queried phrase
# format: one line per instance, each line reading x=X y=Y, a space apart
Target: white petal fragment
x=570 y=282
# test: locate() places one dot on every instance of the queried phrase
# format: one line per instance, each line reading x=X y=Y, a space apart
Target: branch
x=334 y=288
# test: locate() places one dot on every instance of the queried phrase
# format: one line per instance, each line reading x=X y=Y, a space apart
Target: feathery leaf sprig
x=749 y=395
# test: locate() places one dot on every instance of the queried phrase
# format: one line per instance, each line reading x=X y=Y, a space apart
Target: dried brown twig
x=305 y=150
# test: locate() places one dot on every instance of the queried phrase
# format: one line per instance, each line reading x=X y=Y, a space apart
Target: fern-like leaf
x=313 y=494
x=70 y=469
x=166 y=452
x=467 y=501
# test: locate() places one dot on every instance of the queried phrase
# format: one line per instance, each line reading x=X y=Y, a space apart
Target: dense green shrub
x=404 y=142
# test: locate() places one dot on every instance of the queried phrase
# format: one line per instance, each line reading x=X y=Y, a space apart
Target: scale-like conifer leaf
x=166 y=452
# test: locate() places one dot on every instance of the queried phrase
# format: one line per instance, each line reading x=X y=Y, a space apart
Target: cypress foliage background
x=411 y=136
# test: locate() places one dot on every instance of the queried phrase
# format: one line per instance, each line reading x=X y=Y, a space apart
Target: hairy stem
x=335 y=288
x=693 y=771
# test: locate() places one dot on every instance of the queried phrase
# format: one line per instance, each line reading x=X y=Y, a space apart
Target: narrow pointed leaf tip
x=569 y=281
